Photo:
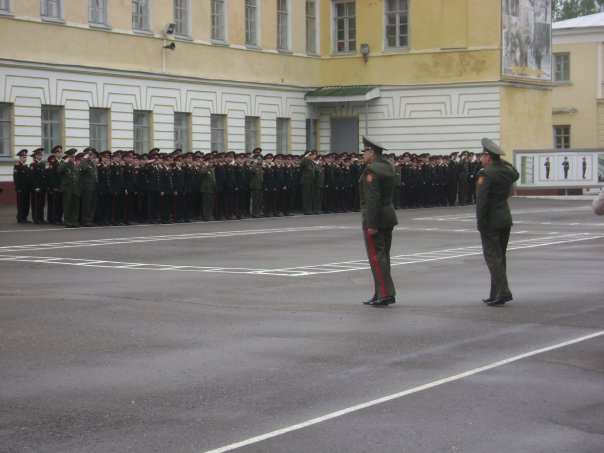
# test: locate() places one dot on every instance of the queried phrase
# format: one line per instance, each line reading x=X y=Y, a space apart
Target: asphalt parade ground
x=250 y=336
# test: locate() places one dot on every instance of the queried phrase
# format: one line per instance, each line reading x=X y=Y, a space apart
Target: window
x=311 y=133
x=52 y=126
x=51 y=9
x=141 y=15
x=182 y=13
x=251 y=22
x=181 y=131
x=345 y=27
x=99 y=129
x=282 y=135
x=252 y=126
x=562 y=67
x=397 y=23
x=562 y=137
x=5 y=7
x=218 y=20
x=311 y=26
x=5 y=129
x=282 y=25
x=142 y=131
x=97 y=12
x=217 y=126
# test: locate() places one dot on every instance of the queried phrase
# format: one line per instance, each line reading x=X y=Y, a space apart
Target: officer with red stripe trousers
x=376 y=187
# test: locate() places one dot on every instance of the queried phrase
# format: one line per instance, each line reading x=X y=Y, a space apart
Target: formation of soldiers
x=89 y=188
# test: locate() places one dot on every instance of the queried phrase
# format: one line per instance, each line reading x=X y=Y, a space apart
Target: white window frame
x=182 y=18
x=312 y=20
x=98 y=120
x=252 y=132
x=251 y=22
x=52 y=126
x=401 y=18
x=141 y=15
x=52 y=10
x=283 y=25
x=282 y=137
x=141 y=131
x=98 y=12
x=218 y=132
x=562 y=136
x=6 y=126
x=562 y=67
x=6 y=7
x=182 y=131
x=349 y=46
x=312 y=128
x=218 y=20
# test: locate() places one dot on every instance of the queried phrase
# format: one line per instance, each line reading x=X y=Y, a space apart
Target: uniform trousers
x=88 y=201
x=494 y=247
x=71 y=206
x=256 y=202
x=22 y=205
x=378 y=252
x=54 y=213
x=38 y=200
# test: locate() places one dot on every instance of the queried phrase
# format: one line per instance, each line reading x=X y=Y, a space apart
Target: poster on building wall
x=527 y=35
x=558 y=169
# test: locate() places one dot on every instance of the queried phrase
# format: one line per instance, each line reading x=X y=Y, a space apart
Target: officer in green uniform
x=69 y=172
x=494 y=219
x=376 y=187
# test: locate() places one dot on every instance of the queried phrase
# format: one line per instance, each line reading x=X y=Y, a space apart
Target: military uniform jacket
x=88 y=176
x=208 y=181
x=492 y=191
x=103 y=179
x=308 y=171
x=375 y=189
x=70 y=178
x=116 y=179
x=153 y=180
x=21 y=177
x=37 y=175
x=319 y=176
x=256 y=177
x=129 y=175
x=178 y=180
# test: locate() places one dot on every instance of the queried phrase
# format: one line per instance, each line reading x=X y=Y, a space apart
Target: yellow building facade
x=416 y=75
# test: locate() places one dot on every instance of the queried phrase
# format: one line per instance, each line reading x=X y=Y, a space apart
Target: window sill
x=137 y=31
x=343 y=54
x=183 y=37
x=253 y=46
x=219 y=42
x=562 y=83
x=285 y=51
x=56 y=20
x=99 y=26
x=6 y=13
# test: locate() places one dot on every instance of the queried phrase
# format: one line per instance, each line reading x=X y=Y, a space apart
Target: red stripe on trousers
x=374 y=261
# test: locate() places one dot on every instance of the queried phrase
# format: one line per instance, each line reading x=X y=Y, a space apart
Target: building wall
x=579 y=96
x=442 y=93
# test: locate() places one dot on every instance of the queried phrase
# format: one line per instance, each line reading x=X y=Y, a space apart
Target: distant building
x=416 y=75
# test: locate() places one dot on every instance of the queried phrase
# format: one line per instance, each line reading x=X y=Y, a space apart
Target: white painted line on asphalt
x=385 y=399
x=303 y=271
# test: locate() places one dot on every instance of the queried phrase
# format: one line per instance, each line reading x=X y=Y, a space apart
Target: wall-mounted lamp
x=169 y=29
x=170 y=46
x=365 y=52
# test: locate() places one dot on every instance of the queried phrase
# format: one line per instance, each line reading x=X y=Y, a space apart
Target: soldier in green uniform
x=69 y=172
x=307 y=180
x=493 y=216
x=375 y=190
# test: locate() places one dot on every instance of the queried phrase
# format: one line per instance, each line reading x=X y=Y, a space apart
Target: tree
x=569 y=9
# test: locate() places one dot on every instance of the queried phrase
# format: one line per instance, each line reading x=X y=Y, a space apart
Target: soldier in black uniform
x=208 y=187
x=168 y=190
x=240 y=181
x=52 y=190
x=196 y=186
x=37 y=174
x=130 y=190
x=116 y=181
x=178 y=186
x=22 y=183
x=57 y=197
x=219 y=177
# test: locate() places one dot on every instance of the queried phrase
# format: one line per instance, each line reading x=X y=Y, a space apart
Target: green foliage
x=569 y=9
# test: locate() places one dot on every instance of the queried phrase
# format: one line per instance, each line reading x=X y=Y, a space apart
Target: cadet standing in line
x=89 y=184
x=493 y=216
x=22 y=186
x=375 y=189
x=69 y=172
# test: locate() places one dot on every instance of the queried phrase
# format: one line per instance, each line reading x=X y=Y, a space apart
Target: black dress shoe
x=501 y=300
x=370 y=301
x=381 y=302
x=490 y=299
